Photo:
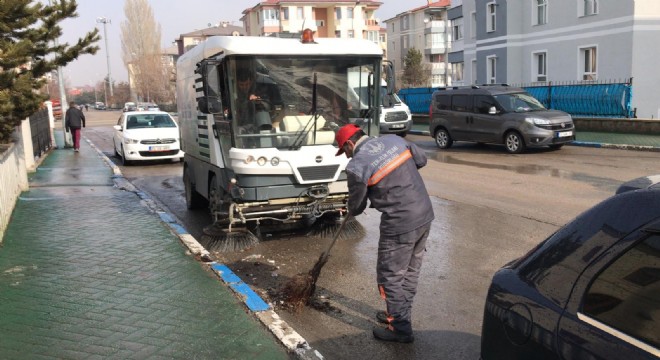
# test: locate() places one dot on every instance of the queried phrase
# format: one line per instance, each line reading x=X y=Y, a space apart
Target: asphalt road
x=490 y=208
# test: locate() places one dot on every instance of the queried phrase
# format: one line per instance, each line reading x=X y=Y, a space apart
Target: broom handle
x=326 y=253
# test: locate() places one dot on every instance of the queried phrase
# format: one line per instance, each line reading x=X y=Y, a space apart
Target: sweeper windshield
x=286 y=103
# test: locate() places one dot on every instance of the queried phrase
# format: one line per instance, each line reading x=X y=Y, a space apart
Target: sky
x=174 y=16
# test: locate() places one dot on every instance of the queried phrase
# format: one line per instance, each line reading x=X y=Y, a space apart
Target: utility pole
x=106 y=21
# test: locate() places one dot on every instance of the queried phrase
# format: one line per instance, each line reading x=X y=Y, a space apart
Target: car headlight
x=131 y=141
x=537 y=121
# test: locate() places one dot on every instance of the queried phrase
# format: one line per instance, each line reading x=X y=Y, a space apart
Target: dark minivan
x=498 y=114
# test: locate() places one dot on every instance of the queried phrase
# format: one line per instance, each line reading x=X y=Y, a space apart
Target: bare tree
x=141 y=52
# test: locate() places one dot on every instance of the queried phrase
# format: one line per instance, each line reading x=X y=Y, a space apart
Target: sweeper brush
x=299 y=290
x=325 y=229
x=218 y=238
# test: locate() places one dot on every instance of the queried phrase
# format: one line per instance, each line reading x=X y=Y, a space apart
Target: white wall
x=13 y=176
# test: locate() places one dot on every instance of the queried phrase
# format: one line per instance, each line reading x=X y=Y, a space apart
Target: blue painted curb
x=250 y=298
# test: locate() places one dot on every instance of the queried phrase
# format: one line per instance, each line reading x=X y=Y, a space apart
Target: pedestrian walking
x=384 y=170
x=74 y=120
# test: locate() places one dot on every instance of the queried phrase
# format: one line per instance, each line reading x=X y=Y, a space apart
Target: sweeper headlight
x=275 y=161
x=261 y=161
x=249 y=159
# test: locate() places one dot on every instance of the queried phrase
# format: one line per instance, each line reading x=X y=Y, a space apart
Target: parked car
x=130 y=106
x=146 y=135
x=498 y=114
x=99 y=106
x=589 y=291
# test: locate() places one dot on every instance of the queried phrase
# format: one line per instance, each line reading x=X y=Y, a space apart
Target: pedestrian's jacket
x=74 y=119
x=384 y=170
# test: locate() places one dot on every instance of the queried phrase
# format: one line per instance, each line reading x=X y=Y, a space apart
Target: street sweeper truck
x=258 y=117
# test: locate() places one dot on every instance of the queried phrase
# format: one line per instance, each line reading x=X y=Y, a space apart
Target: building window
x=349 y=13
x=473 y=25
x=393 y=46
x=589 y=61
x=491 y=70
x=473 y=72
x=404 y=42
x=285 y=13
x=490 y=17
x=404 y=22
x=373 y=36
x=381 y=38
x=351 y=34
x=457 y=71
x=338 y=13
x=337 y=33
x=540 y=66
x=541 y=12
x=301 y=15
x=270 y=14
x=435 y=40
x=587 y=7
x=457 y=29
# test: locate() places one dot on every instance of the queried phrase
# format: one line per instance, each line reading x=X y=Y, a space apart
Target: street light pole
x=106 y=21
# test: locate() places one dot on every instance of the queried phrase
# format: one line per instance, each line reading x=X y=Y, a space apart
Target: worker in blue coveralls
x=384 y=170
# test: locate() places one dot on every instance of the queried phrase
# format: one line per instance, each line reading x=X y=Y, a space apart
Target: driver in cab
x=256 y=100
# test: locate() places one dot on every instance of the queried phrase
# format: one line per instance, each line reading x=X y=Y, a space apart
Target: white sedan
x=146 y=135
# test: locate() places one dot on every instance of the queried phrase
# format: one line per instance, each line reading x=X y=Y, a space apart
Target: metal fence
x=609 y=99
x=40 y=128
x=417 y=99
x=606 y=99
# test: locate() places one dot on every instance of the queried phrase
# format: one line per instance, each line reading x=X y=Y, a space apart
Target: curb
x=615 y=146
x=581 y=143
x=287 y=336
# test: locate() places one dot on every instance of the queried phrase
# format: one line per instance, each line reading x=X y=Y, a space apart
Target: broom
x=301 y=287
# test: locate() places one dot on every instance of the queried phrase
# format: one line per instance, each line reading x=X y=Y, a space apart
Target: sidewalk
x=592 y=139
x=87 y=271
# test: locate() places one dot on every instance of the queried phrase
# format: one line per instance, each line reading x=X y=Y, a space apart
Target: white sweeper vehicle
x=258 y=117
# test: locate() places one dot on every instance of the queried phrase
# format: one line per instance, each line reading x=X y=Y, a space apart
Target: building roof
x=224 y=29
x=433 y=5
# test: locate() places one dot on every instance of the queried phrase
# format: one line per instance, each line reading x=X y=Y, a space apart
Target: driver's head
x=243 y=79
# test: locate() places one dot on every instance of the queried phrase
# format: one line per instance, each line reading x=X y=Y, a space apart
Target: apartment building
x=539 y=41
x=334 y=19
x=426 y=29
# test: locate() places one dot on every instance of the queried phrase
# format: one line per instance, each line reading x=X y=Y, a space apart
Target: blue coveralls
x=384 y=170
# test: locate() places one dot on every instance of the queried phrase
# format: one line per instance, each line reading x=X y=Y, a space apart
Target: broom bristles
x=299 y=290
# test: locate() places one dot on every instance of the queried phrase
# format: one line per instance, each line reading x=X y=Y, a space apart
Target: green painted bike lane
x=88 y=272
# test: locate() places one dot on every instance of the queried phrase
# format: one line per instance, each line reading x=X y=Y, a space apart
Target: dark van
x=498 y=114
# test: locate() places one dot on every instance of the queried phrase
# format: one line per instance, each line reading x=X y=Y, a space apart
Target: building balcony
x=436 y=48
x=435 y=26
x=438 y=68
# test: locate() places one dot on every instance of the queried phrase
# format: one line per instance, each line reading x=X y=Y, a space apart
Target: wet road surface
x=490 y=207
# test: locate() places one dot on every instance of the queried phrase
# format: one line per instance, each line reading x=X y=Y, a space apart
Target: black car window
x=443 y=102
x=461 y=103
x=626 y=295
x=483 y=103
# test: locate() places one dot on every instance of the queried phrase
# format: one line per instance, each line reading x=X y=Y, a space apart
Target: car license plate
x=159 y=148
x=398 y=126
x=564 y=133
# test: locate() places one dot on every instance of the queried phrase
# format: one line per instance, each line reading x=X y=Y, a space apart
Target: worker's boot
x=390 y=334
